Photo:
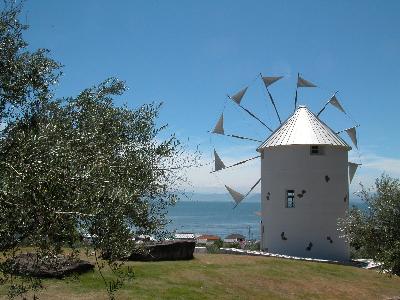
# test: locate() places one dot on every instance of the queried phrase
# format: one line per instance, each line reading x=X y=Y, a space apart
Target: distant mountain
x=214 y=197
x=202 y=197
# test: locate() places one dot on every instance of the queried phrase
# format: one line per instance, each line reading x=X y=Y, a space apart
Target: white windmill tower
x=305 y=176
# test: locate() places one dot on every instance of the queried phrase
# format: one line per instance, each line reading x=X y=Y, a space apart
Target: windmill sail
x=335 y=102
x=352 y=170
x=219 y=127
x=239 y=95
x=219 y=164
x=237 y=98
x=251 y=189
x=353 y=135
x=238 y=197
x=270 y=80
x=244 y=138
x=255 y=117
x=234 y=165
x=301 y=82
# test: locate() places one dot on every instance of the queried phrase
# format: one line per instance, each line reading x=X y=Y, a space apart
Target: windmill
x=305 y=176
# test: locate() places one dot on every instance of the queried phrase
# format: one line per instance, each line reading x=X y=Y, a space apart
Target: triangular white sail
x=235 y=195
x=219 y=127
x=301 y=82
x=353 y=135
x=335 y=102
x=231 y=166
x=219 y=164
x=352 y=170
x=239 y=95
x=270 y=80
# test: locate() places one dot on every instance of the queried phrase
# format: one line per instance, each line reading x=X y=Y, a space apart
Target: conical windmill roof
x=303 y=128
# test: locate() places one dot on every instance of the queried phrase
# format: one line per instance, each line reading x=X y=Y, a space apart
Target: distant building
x=144 y=238
x=234 y=238
x=184 y=236
x=207 y=239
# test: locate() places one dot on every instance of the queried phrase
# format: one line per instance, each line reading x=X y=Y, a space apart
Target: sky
x=191 y=54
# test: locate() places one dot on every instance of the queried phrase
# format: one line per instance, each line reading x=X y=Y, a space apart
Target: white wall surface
x=315 y=215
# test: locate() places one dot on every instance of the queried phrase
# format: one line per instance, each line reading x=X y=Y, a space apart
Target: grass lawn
x=218 y=276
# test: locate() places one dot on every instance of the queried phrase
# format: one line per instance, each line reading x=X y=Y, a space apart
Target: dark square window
x=316 y=150
x=290 y=198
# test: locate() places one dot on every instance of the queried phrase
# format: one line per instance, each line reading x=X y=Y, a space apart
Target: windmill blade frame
x=267 y=82
x=236 y=164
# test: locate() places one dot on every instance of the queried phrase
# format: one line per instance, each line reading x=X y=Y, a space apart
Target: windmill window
x=316 y=150
x=290 y=198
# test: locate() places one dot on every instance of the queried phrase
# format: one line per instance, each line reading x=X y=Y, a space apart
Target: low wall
x=168 y=250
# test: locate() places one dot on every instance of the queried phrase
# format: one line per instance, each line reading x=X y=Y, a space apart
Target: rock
x=49 y=267
x=168 y=250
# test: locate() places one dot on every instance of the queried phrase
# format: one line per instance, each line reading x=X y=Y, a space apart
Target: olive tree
x=77 y=165
x=86 y=166
x=26 y=78
x=376 y=231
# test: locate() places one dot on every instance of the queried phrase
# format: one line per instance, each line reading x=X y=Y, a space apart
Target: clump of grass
x=222 y=276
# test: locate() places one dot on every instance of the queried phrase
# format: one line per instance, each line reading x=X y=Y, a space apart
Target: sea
x=219 y=218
